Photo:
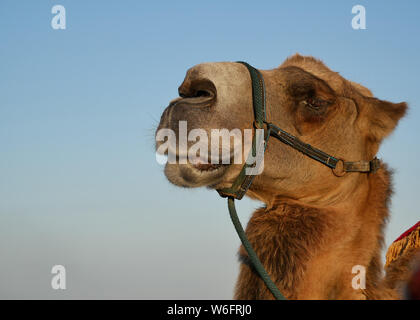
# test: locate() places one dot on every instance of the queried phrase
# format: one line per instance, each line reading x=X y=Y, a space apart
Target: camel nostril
x=202 y=93
x=182 y=94
x=202 y=88
x=195 y=94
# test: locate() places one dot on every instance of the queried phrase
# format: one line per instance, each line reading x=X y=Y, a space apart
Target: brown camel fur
x=315 y=227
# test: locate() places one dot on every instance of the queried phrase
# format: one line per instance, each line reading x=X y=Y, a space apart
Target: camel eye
x=311 y=103
x=315 y=103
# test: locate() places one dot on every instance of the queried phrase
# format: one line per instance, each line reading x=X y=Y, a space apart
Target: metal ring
x=339 y=169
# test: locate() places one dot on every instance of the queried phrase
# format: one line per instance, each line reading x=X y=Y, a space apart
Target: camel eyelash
x=316 y=103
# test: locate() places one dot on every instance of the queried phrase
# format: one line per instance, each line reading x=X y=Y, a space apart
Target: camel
x=314 y=226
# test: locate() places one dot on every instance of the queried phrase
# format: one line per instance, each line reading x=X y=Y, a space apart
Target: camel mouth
x=206 y=166
x=195 y=175
x=184 y=171
x=200 y=164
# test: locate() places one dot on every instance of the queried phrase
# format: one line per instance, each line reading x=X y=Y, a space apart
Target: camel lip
x=203 y=164
x=190 y=176
x=207 y=166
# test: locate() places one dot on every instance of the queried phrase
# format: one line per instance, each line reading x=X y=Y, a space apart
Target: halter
x=243 y=181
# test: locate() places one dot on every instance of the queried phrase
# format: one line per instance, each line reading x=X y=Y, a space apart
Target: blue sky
x=79 y=183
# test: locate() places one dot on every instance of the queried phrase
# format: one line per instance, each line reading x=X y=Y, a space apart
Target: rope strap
x=251 y=253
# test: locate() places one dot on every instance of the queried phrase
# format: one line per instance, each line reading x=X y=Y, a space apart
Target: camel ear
x=383 y=117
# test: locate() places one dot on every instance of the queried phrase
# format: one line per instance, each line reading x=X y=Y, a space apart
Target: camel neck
x=294 y=238
x=354 y=195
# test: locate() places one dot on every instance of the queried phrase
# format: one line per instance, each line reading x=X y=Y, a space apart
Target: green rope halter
x=243 y=181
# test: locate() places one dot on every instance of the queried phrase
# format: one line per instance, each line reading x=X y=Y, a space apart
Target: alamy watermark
x=204 y=152
x=59 y=19
x=359 y=280
x=58 y=281
x=359 y=20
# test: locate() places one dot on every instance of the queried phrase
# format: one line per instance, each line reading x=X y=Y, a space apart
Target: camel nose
x=184 y=89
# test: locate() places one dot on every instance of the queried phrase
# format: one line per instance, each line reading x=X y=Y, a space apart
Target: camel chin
x=193 y=176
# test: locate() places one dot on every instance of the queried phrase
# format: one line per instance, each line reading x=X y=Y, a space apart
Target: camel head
x=304 y=98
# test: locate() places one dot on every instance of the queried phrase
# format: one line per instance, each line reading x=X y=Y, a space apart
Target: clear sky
x=79 y=184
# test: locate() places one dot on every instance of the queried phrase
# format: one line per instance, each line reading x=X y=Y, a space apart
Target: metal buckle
x=339 y=169
x=226 y=194
x=375 y=164
x=257 y=126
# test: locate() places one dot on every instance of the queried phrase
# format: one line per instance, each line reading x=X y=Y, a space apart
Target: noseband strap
x=243 y=182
